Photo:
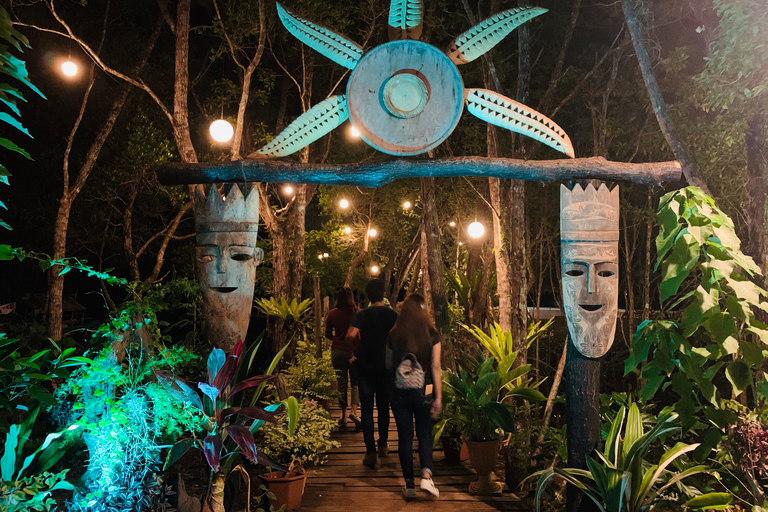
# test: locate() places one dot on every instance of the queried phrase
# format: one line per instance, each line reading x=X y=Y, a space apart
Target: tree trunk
x=757 y=164
x=360 y=257
x=181 y=84
x=214 y=499
x=690 y=169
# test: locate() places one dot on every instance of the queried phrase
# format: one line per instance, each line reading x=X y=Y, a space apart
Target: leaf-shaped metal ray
x=488 y=33
x=507 y=113
x=337 y=48
x=308 y=127
x=405 y=17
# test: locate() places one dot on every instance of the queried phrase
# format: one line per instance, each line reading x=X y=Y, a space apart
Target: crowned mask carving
x=227 y=223
x=589 y=238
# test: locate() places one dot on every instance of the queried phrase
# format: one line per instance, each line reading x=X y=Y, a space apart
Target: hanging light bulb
x=372 y=233
x=374 y=269
x=288 y=190
x=476 y=230
x=69 y=68
x=353 y=131
x=347 y=230
x=344 y=203
x=452 y=224
x=221 y=130
x=407 y=205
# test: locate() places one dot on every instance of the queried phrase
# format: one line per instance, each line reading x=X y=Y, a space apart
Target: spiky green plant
x=621 y=480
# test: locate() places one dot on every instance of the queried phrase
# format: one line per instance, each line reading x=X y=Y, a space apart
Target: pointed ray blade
x=507 y=113
x=308 y=127
x=337 y=48
x=405 y=18
x=488 y=33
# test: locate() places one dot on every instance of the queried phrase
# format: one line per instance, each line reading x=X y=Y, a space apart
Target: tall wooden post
x=318 y=307
x=582 y=414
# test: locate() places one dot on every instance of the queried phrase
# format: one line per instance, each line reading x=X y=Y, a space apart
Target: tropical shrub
x=310 y=378
x=622 y=480
x=306 y=445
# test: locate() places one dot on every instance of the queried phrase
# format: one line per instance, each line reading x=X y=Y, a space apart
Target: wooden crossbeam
x=376 y=174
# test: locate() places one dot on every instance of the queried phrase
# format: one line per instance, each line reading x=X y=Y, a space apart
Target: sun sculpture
x=405 y=97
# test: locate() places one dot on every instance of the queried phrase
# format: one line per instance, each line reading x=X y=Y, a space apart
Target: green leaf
x=711 y=501
x=685 y=254
x=739 y=375
x=177 y=450
x=6 y=252
x=13 y=147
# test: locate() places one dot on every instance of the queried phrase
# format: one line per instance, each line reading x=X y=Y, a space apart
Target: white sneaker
x=427 y=485
x=409 y=492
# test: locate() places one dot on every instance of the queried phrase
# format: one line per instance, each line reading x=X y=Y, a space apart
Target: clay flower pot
x=482 y=456
x=288 y=488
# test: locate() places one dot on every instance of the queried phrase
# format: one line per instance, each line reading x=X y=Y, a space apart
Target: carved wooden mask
x=227 y=227
x=589 y=237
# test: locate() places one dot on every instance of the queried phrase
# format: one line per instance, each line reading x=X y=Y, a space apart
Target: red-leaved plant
x=229 y=426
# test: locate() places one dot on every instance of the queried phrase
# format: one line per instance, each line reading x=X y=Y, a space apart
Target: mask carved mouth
x=226 y=289
x=591 y=307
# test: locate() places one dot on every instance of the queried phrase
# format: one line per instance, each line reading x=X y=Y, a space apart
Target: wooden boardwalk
x=344 y=484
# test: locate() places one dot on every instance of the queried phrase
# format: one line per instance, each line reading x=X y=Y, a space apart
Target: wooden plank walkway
x=344 y=484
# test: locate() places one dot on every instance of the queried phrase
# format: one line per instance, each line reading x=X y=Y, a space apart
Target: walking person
x=415 y=396
x=372 y=324
x=336 y=325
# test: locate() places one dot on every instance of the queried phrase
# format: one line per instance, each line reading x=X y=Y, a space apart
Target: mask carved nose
x=591 y=286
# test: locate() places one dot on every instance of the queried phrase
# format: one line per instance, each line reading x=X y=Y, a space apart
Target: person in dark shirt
x=373 y=324
x=415 y=334
x=336 y=325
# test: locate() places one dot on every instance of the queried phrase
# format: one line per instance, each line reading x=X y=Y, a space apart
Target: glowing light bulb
x=452 y=224
x=325 y=255
x=344 y=203
x=372 y=233
x=347 y=230
x=353 y=132
x=374 y=269
x=476 y=230
x=288 y=190
x=461 y=243
x=407 y=205
x=221 y=130
x=69 y=68
x=320 y=256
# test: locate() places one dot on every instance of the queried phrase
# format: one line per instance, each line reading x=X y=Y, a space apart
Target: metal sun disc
x=405 y=97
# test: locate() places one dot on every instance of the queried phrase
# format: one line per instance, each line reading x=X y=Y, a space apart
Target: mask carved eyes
x=574 y=273
x=606 y=273
x=240 y=256
x=207 y=258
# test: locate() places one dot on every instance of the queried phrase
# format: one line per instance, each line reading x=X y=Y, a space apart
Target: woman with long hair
x=336 y=324
x=414 y=338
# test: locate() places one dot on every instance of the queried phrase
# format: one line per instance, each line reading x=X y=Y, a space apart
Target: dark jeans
x=408 y=405
x=340 y=362
x=373 y=385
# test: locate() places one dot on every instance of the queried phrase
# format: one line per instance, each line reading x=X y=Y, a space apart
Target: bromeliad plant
x=229 y=426
x=621 y=480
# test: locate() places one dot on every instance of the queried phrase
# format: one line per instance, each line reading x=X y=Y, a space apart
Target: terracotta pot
x=288 y=490
x=483 y=456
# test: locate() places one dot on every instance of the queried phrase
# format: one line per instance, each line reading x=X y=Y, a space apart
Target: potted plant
x=297 y=450
x=481 y=393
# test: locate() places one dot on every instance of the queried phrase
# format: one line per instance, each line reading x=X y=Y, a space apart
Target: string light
x=353 y=131
x=452 y=224
x=69 y=68
x=372 y=233
x=374 y=269
x=407 y=205
x=221 y=130
x=476 y=230
x=347 y=230
x=288 y=190
x=344 y=203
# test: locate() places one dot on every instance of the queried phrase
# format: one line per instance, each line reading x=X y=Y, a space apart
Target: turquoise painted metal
x=398 y=110
x=337 y=48
x=308 y=127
